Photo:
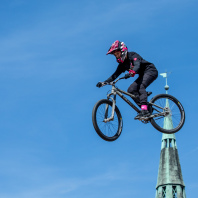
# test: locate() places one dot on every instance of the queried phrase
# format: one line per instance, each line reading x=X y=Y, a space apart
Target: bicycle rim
x=172 y=122
x=110 y=130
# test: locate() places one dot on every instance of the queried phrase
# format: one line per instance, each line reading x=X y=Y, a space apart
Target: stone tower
x=170 y=182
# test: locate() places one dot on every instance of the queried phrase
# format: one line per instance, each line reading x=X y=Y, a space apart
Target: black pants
x=138 y=87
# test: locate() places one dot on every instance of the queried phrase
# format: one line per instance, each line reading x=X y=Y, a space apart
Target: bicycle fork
x=106 y=119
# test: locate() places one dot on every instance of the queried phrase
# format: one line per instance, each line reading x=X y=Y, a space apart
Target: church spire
x=170 y=181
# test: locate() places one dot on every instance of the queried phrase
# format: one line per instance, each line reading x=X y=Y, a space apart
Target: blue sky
x=52 y=55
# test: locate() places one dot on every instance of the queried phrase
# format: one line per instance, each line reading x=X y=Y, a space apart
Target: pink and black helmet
x=117 y=45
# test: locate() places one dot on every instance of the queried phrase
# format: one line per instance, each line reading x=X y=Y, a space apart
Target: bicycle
x=108 y=122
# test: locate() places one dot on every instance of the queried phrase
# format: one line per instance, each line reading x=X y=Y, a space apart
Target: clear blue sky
x=52 y=54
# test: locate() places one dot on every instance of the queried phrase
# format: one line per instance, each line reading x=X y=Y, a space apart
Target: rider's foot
x=142 y=114
x=145 y=113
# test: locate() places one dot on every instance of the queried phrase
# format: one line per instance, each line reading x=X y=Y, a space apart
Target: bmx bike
x=108 y=122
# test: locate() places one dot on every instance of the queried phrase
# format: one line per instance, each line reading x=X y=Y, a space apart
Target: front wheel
x=169 y=114
x=109 y=130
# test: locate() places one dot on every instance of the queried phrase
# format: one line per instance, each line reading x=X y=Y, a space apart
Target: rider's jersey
x=136 y=63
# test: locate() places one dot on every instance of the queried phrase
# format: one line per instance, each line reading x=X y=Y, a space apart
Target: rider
x=135 y=64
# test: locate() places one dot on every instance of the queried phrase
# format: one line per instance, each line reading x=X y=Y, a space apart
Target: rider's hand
x=132 y=72
x=99 y=84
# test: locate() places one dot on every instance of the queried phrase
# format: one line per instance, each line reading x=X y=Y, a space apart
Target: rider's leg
x=146 y=81
x=134 y=89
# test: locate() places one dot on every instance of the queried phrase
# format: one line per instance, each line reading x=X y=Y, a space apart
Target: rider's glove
x=132 y=73
x=99 y=84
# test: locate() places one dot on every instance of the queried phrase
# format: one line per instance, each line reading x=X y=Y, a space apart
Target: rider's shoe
x=142 y=114
x=145 y=113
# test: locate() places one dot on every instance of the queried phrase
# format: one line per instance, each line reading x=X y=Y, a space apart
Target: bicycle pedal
x=144 y=118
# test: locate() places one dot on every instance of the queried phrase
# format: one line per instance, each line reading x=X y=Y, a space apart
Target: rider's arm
x=136 y=61
x=115 y=74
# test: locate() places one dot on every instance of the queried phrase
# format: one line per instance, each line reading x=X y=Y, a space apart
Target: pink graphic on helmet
x=135 y=59
x=114 y=47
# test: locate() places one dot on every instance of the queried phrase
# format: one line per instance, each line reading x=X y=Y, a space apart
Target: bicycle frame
x=116 y=91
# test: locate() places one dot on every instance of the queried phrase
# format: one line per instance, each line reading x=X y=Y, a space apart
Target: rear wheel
x=172 y=113
x=110 y=130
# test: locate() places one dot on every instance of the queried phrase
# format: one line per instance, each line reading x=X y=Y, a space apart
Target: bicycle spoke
x=109 y=128
x=171 y=112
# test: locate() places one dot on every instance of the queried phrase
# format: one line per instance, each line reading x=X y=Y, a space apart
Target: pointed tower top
x=169 y=169
x=165 y=75
x=170 y=182
x=168 y=123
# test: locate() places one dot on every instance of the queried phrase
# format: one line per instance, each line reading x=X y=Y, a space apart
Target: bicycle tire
x=98 y=111
x=179 y=116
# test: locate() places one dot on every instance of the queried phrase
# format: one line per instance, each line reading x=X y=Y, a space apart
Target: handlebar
x=114 y=82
